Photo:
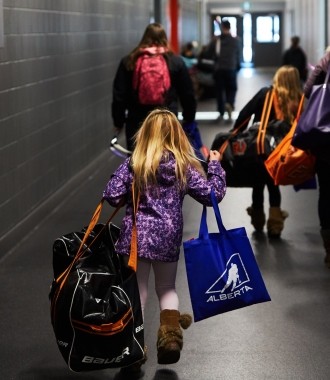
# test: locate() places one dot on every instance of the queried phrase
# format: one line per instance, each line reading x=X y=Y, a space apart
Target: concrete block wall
x=57 y=64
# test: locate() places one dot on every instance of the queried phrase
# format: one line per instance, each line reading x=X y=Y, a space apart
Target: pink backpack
x=151 y=77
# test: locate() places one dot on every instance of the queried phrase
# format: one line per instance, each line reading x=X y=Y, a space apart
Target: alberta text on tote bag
x=222 y=272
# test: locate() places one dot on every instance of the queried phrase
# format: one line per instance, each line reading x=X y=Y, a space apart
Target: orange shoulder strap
x=264 y=121
x=233 y=133
x=132 y=262
x=61 y=279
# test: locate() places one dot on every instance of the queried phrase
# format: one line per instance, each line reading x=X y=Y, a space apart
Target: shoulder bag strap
x=82 y=249
x=295 y=121
x=232 y=134
x=301 y=103
x=132 y=262
x=264 y=121
x=326 y=81
x=278 y=113
x=61 y=279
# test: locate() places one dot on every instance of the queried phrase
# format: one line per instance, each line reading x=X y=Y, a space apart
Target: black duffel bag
x=243 y=166
x=244 y=152
x=95 y=303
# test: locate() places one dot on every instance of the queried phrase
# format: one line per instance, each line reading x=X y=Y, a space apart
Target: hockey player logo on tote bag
x=222 y=271
x=235 y=278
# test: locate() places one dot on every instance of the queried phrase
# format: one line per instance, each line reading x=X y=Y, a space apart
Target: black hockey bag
x=95 y=304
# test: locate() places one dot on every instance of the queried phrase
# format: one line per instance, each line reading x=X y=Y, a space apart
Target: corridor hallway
x=285 y=339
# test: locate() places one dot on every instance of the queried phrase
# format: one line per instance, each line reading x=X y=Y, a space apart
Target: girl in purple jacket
x=165 y=169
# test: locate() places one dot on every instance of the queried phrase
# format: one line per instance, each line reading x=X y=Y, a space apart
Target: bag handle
x=301 y=103
x=61 y=279
x=203 y=230
x=132 y=262
x=262 y=129
x=232 y=134
x=264 y=121
x=326 y=81
x=95 y=218
x=295 y=121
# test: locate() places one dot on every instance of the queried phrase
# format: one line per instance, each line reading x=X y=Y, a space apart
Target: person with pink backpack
x=149 y=77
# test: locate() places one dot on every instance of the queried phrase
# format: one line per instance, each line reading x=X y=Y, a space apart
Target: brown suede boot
x=170 y=339
x=326 y=242
x=275 y=222
x=258 y=218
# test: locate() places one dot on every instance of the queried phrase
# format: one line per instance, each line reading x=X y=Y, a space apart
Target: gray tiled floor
x=287 y=338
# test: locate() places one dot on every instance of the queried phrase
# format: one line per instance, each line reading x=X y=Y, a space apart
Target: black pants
x=225 y=88
x=273 y=191
x=323 y=175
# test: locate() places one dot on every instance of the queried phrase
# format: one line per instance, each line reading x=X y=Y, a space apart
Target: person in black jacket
x=287 y=95
x=295 y=56
x=228 y=56
x=127 y=111
x=322 y=155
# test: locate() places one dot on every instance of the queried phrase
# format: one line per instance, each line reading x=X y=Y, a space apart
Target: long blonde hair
x=161 y=133
x=288 y=91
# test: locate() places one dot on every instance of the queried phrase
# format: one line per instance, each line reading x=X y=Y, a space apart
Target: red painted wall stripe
x=174 y=20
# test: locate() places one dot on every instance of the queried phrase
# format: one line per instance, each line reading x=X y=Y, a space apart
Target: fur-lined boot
x=275 y=222
x=170 y=339
x=326 y=242
x=258 y=218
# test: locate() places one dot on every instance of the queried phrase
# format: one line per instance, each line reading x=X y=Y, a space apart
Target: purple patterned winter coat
x=159 y=216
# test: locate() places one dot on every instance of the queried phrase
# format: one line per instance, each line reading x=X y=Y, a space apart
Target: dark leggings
x=323 y=175
x=258 y=194
x=226 y=88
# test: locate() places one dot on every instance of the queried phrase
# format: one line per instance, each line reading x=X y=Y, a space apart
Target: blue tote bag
x=222 y=272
